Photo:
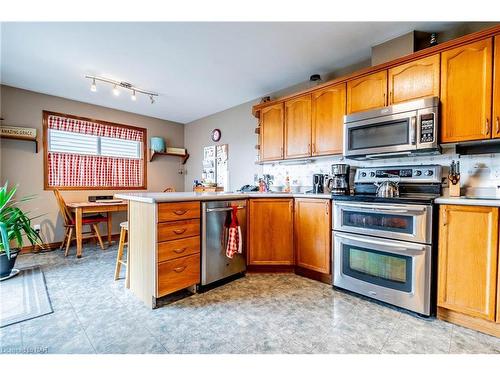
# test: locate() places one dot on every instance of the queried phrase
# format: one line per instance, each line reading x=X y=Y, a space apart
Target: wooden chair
x=119 y=255
x=169 y=190
x=69 y=223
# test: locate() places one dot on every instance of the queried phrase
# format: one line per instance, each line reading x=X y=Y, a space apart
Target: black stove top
x=405 y=199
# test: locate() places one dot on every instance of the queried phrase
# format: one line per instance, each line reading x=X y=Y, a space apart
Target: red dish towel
x=234 y=242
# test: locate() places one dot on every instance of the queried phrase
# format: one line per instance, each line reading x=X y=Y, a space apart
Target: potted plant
x=14 y=225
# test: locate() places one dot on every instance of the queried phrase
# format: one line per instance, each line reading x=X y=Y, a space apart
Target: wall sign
x=17 y=132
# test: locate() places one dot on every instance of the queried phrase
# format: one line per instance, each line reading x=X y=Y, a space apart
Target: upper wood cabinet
x=496 y=90
x=466 y=84
x=416 y=79
x=298 y=127
x=312 y=234
x=367 y=92
x=270 y=228
x=328 y=110
x=468 y=251
x=271 y=132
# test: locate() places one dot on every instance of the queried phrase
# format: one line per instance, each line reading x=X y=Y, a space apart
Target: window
x=83 y=154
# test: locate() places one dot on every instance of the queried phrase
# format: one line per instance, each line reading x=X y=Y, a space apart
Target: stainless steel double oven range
x=384 y=247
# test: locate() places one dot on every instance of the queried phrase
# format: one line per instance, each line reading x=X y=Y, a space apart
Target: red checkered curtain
x=94 y=171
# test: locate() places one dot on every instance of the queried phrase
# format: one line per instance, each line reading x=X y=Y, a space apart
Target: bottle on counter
x=287 y=184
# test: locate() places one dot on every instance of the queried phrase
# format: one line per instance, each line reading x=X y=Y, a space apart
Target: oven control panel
x=427 y=128
x=414 y=173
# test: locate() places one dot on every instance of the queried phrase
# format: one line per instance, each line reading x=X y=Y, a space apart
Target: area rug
x=24 y=297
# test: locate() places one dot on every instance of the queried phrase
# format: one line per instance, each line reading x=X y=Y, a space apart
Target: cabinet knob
x=180 y=251
x=179 y=231
x=180 y=212
x=180 y=269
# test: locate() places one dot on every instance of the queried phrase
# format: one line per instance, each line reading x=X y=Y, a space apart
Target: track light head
x=116 y=92
x=152 y=99
x=93 y=86
x=133 y=97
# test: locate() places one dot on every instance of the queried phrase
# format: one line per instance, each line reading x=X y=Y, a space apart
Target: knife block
x=454 y=190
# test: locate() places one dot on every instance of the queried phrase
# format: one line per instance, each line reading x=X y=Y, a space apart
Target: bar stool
x=119 y=255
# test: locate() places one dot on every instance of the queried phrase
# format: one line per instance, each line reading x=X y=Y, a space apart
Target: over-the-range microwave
x=403 y=129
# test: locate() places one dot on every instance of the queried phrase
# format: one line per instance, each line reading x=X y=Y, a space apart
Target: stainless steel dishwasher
x=215 y=265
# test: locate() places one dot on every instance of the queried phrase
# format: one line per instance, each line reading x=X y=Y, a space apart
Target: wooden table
x=80 y=208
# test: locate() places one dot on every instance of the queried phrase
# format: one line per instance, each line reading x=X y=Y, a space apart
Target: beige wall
x=21 y=165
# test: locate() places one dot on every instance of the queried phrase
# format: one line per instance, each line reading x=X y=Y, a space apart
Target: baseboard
x=315 y=275
x=270 y=268
x=50 y=246
x=477 y=324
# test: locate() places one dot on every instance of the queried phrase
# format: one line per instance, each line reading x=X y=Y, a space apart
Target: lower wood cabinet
x=270 y=230
x=312 y=218
x=178 y=273
x=468 y=284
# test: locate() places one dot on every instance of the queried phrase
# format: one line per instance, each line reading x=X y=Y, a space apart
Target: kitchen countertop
x=192 y=196
x=469 y=201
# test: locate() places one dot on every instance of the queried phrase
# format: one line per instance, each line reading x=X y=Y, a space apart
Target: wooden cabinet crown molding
x=469 y=38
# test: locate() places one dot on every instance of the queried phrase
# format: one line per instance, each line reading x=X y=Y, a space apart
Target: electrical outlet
x=36 y=227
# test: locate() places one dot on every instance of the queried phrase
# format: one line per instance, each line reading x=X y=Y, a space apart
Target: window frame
x=45 y=128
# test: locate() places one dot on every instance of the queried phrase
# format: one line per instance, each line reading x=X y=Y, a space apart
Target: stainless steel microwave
x=399 y=130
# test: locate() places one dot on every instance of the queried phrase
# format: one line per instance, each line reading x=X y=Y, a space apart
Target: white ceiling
x=197 y=68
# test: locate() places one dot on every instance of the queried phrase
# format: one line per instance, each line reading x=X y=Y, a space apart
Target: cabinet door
x=270 y=232
x=496 y=90
x=298 y=127
x=312 y=234
x=271 y=136
x=468 y=249
x=367 y=92
x=328 y=110
x=416 y=79
x=466 y=80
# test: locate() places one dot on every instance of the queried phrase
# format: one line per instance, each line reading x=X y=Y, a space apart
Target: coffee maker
x=318 y=180
x=340 y=182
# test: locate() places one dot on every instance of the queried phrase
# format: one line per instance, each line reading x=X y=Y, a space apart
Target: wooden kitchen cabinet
x=466 y=86
x=312 y=218
x=414 y=80
x=328 y=110
x=496 y=90
x=298 y=127
x=367 y=92
x=468 y=260
x=271 y=132
x=270 y=230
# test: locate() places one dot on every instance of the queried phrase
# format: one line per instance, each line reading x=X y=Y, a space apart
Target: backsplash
x=478 y=172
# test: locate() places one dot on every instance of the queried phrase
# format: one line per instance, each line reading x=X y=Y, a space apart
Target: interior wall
x=20 y=164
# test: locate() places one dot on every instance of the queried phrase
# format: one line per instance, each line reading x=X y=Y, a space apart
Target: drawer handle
x=180 y=212
x=179 y=231
x=180 y=251
x=180 y=269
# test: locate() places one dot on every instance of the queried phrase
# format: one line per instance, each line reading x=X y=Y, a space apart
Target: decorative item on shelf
x=216 y=135
x=454 y=178
x=19 y=133
x=123 y=85
x=257 y=130
x=265 y=99
x=315 y=79
x=157 y=144
x=433 y=41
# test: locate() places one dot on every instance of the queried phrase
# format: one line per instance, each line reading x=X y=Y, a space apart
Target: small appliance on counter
x=340 y=179
x=318 y=181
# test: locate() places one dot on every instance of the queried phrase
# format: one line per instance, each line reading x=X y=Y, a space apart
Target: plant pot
x=7 y=264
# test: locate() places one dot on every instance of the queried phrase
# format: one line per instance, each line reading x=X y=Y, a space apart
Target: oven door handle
x=387 y=209
x=407 y=249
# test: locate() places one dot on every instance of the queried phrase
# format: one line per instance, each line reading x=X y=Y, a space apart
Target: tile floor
x=265 y=313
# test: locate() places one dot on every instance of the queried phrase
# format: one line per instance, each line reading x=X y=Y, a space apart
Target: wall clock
x=216 y=134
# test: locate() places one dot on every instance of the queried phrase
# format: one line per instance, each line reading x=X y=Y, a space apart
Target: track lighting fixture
x=124 y=85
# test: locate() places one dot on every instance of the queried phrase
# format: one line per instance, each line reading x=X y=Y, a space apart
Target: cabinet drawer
x=178 y=229
x=178 y=274
x=178 y=248
x=178 y=211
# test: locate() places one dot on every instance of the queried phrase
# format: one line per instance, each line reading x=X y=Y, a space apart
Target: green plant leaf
x=5 y=246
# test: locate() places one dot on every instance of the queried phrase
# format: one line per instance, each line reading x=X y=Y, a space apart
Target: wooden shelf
x=153 y=154
x=22 y=139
